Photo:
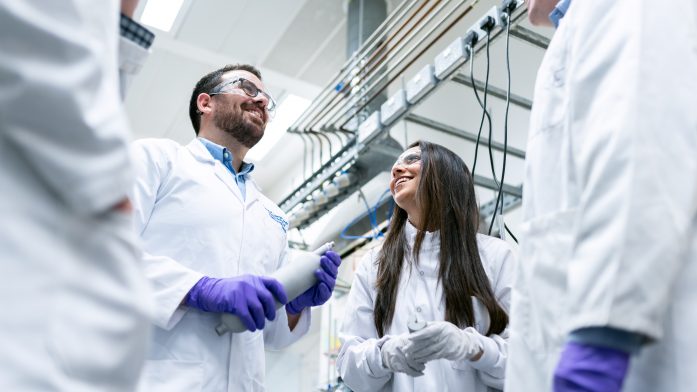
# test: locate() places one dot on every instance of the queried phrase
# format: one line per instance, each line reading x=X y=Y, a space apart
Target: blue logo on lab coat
x=279 y=219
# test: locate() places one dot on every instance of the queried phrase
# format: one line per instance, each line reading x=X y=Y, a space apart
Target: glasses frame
x=251 y=91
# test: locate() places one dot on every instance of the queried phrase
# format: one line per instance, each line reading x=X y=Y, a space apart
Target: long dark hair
x=448 y=204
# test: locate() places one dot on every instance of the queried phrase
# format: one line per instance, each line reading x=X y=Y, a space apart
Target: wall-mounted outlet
x=369 y=127
x=421 y=84
x=488 y=21
x=393 y=107
x=451 y=58
x=507 y=6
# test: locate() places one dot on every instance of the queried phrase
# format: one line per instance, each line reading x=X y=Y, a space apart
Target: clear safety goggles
x=249 y=88
x=408 y=158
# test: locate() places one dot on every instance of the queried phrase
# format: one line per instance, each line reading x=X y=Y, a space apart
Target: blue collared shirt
x=224 y=156
x=559 y=12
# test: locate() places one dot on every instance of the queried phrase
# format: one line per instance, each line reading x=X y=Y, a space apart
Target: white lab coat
x=193 y=222
x=360 y=363
x=71 y=290
x=609 y=236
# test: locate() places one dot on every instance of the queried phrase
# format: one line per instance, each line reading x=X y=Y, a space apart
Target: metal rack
x=340 y=109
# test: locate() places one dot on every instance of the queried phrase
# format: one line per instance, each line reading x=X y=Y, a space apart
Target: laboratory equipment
x=296 y=277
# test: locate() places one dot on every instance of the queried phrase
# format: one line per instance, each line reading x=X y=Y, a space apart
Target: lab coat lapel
x=199 y=151
x=252 y=190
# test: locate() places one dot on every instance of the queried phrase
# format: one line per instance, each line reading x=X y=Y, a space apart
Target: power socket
x=369 y=127
x=393 y=107
x=451 y=58
x=508 y=6
x=492 y=14
x=421 y=84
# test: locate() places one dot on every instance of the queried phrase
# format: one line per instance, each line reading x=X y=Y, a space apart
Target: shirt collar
x=559 y=12
x=431 y=240
x=225 y=157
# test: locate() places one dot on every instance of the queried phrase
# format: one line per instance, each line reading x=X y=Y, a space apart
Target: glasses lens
x=271 y=106
x=408 y=159
x=252 y=90
x=249 y=88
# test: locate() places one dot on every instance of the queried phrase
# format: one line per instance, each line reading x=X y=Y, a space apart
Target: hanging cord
x=486 y=93
x=500 y=196
x=485 y=112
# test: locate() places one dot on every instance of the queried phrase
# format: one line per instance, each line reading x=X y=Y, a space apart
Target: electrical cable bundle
x=499 y=197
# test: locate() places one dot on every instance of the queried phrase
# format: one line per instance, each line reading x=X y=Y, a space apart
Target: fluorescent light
x=161 y=14
x=287 y=112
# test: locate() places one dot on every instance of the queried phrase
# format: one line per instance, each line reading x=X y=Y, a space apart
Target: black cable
x=510 y=233
x=486 y=93
x=485 y=112
x=499 y=197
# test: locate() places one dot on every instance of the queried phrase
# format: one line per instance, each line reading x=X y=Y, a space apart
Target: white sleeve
x=131 y=60
x=359 y=362
x=634 y=120
x=169 y=280
x=491 y=366
x=59 y=98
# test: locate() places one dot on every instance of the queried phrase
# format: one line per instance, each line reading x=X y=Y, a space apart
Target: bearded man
x=210 y=239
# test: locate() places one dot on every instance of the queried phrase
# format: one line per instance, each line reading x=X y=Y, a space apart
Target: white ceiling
x=297 y=44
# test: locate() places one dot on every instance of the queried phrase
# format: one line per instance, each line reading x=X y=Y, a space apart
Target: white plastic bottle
x=296 y=277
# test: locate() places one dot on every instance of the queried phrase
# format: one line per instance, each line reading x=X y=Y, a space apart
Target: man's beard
x=234 y=124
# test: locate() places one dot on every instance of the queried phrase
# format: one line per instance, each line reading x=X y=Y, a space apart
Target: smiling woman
x=461 y=287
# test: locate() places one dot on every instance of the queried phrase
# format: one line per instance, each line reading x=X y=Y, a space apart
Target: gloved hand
x=249 y=297
x=590 y=369
x=441 y=339
x=322 y=290
x=394 y=359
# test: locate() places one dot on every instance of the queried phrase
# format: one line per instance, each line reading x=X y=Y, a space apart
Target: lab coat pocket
x=545 y=253
x=98 y=325
x=481 y=316
x=170 y=375
x=549 y=108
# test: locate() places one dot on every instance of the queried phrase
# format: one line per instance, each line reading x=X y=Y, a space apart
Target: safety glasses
x=249 y=88
x=408 y=158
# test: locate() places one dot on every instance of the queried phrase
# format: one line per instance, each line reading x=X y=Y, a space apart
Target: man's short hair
x=208 y=82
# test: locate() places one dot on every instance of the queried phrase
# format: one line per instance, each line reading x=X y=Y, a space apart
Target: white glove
x=441 y=339
x=393 y=357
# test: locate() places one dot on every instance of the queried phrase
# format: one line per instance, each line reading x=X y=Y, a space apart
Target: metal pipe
x=530 y=36
x=336 y=99
x=363 y=92
x=401 y=60
x=493 y=91
x=490 y=184
x=321 y=147
x=349 y=64
x=427 y=122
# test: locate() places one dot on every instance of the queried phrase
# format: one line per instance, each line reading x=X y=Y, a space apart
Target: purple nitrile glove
x=322 y=290
x=249 y=297
x=585 y=368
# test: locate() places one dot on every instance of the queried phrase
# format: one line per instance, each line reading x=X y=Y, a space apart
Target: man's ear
x=204 y=103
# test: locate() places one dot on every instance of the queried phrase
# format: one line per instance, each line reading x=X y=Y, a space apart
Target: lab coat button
x=418 y=309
